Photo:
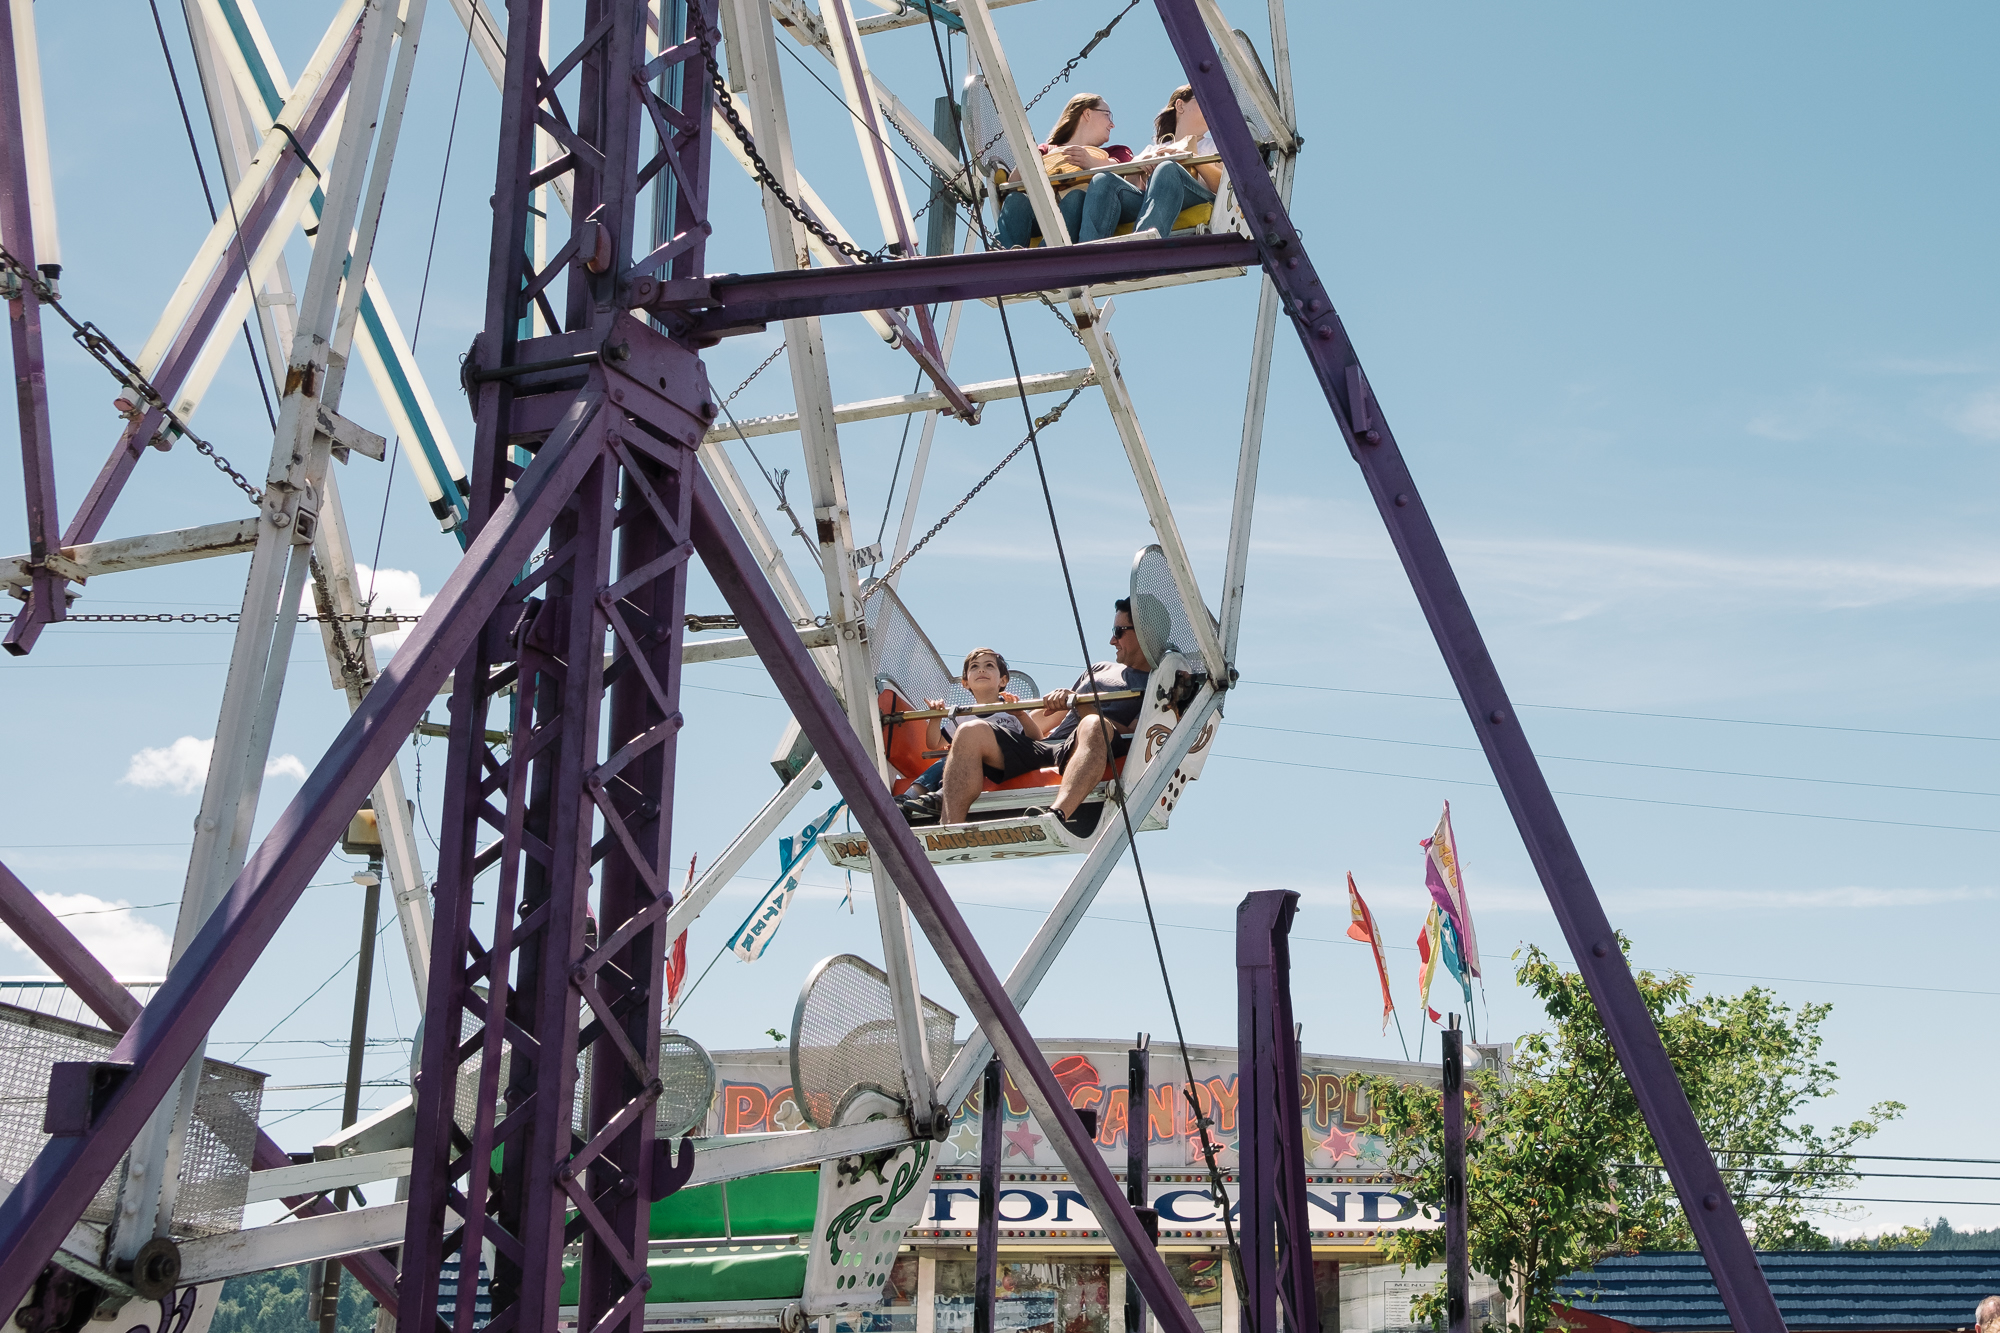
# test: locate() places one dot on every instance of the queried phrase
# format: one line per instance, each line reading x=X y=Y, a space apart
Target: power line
x=1631 y=712
x=1624 y=763
x=1631 y=800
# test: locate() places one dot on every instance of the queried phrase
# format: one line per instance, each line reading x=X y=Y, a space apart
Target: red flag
x=1363 y=928
x=677 y=957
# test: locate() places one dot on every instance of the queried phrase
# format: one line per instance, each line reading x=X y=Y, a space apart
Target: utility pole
x=1456 y=1267
x=992 y=1116
x=363 y=838
x=1138 y=1171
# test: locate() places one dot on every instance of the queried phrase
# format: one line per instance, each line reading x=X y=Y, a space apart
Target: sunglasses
x=1120 y=631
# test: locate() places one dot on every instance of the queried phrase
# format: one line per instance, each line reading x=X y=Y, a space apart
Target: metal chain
x=1074 y=332
x=1063 y=73
x=778 y=352
x=126 y=371
x=218 y=618
x=763 y=172
x=1042 y=422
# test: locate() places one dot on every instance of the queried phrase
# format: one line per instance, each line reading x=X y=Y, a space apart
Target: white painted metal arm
x=1118 y=397
x=746 y=844
x=909 y=404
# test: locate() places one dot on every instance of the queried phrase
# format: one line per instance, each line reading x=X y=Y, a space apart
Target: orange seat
x=907 y=759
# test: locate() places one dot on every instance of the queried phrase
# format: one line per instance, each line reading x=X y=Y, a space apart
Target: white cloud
x=123 y=942
x=286 y=766
x=183 y=766
x=1979 y=416
x=396 y=592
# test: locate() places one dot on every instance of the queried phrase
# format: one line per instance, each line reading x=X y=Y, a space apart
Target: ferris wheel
x=546 y=1094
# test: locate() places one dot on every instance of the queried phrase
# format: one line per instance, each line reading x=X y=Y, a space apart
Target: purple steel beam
x=896 y=853
x=52 y=942
x=1274 y=1237
x=60 y=1183
x=1705 y=1199
x=24 y=323
x=1456 y=1265
x=518 y=1176
x=705 y=307
x=192 y=336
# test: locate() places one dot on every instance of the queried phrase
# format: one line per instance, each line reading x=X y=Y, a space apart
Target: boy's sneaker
x=923 y=808
x=1079 y=825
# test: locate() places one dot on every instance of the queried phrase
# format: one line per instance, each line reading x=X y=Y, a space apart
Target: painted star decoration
x=1021 y=1140
x=965 y=1139
x=1339 y=1143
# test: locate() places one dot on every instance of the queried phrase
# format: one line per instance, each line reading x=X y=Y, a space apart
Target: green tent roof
x=778 y=1203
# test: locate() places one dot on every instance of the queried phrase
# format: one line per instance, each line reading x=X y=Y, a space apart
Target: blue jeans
x=1114 y=201
x=1017 y=218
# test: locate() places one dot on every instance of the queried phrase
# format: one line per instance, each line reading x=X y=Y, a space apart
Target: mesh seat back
x=982 y=128
x=844 y=1038
x=1158 y=612
x=905 y=660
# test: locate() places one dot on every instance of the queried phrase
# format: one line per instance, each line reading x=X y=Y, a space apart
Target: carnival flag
x=1429 y=950
x=1363 y=929
x=677 y=957
x=754 y=935
x=1442 y=878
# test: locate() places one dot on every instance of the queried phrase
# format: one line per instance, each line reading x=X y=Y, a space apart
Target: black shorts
x=1056 y=754
x=1018 y=755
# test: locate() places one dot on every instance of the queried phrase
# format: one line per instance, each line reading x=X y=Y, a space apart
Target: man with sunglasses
x=1090 y=736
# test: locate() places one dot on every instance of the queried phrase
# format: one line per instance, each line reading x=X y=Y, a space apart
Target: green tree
x=275 y=1302
x=1561 y=1170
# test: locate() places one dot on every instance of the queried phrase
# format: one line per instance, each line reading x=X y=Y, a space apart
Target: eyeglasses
x=1119 y=632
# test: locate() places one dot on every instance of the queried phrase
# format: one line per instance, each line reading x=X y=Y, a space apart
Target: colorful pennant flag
x=1429 y=950
x=754 y=935
x=1363 y=929
x=677 y=957
x=1441 y=877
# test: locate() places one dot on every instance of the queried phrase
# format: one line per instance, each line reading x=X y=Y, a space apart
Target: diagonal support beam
x=24 y=308
x=1703 y=1195
x=58 y=1186
x=52 y=942
x=897 y=855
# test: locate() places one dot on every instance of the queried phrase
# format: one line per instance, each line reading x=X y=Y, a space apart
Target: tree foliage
x=1560 y=1168
x=276 y=1302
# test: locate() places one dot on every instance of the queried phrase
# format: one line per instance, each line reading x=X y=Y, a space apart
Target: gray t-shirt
x=997 y=721
x=1109 y=677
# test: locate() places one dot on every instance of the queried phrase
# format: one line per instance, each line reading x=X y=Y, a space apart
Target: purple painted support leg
x=51 y=941
x=992 y=1114
x=1457 y=1268
x=1274 y=1238
x=24 y=324
x=1703 y=1196
x=896 y=854
x=60 y=1183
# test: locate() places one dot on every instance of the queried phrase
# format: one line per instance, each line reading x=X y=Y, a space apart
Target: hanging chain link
x=1063 y=320
x=126 y=371
x=776 y=353
x=763 y=172
x=217 y=618
x=1042 y=422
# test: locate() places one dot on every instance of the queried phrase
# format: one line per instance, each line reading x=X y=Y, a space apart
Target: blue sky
x=1683 y=319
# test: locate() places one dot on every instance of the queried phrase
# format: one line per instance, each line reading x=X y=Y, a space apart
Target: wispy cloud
x=182 y=767
x=1978 y=416
x=1803 y=416
x=126 y=944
